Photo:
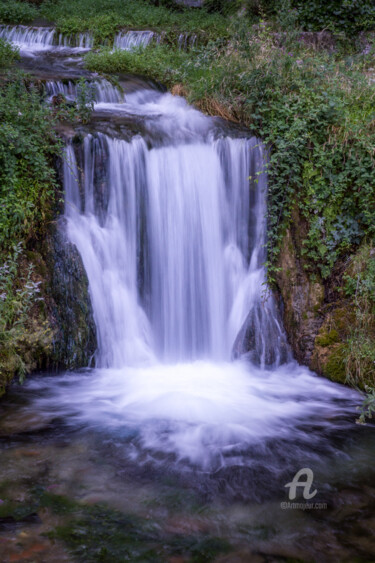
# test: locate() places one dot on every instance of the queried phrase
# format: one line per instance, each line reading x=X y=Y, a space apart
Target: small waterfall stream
x=133 y=39
x=31 y=40
x=35 y=39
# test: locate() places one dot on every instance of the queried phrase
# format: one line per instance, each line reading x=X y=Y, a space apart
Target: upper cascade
x=36 y=39
x=33 y=39
x=132 y=39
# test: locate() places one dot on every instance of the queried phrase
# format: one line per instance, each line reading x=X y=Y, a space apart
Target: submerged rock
x=265 y=347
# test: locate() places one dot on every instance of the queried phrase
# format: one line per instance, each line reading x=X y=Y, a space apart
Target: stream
x=178 y=445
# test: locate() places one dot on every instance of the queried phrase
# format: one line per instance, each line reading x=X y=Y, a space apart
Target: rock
x=74 y=340
x=302 y=296
x=261 y=337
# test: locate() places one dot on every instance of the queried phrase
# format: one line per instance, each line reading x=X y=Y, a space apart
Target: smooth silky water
x=195 y=416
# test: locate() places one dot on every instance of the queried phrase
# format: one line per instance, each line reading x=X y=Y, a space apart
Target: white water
x=31 y=40
x=104 y=92
x=180 y=218
x=186 y=41
x=133 y=39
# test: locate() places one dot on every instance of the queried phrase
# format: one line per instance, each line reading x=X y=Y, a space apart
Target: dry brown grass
x=210 y=106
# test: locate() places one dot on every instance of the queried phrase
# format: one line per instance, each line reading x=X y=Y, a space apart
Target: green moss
x=327 y=338
x=335 y=366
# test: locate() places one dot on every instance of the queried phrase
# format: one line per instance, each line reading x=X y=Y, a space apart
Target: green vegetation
x=348 y=16
x=15 y=12
x=170 y=66
x=105 y=17
x=27 y=178
x=8 y=55
x=314 y=110
x=19 y=334
x=359 y=349
x=28 y=144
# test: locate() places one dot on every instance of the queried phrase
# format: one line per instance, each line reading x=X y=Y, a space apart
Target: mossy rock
x=335 y=366
x=327 y=338
x=75 y=334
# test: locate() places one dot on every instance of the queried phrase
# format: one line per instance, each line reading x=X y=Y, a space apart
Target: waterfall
x=186 y=41
x=171 y=229
x=22 y=36
x=172 y=241
x=34 y=39
x=133 y=39
x=104 y=91
x=167 y=209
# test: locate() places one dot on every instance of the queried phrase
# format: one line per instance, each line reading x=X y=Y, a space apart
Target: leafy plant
x=18 y=294
x=359 y=349
x=15 y=12
x=368 y=406
x=349 y=16
x=27 y=145
x=8 y=54
x=85 y=99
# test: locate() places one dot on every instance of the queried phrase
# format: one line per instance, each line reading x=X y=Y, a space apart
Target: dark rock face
x=302 y=297
x=71 y=315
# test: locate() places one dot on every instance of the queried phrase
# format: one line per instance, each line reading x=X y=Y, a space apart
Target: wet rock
x=266 y=347
x=74 y=340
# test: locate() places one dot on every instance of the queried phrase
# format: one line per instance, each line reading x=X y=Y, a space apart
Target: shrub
x=349 y=16
x=27 y=178
x=17 y=12
x=8 y=54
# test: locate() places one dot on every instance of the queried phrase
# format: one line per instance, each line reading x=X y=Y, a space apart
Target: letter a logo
x=305 y=484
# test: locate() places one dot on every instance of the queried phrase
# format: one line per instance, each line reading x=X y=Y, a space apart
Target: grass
x=106 y=17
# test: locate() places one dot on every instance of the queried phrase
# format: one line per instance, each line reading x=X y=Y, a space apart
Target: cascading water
x=133 y=39
x=186 y=40
x=36 y=39
x=104 y=92
x=178 y=235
